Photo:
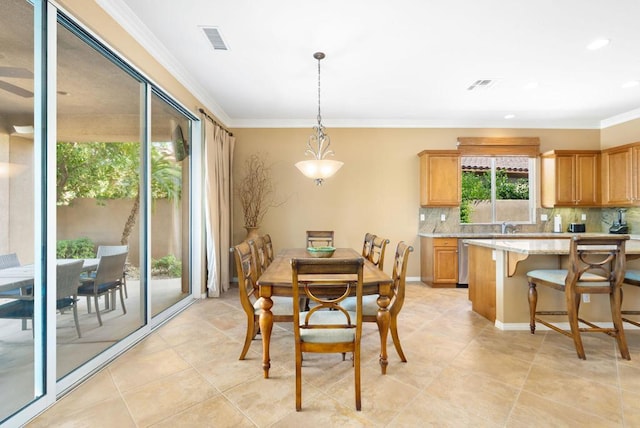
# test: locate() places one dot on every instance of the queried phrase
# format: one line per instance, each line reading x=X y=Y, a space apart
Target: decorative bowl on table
x=321 y=252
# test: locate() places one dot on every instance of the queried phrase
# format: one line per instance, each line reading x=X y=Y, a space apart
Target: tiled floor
x=461 y=372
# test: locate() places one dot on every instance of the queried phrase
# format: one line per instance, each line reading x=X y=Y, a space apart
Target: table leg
x=266 y=324
x=383 y=319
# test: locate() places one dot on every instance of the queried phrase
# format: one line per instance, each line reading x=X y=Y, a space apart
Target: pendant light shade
x=318 y=144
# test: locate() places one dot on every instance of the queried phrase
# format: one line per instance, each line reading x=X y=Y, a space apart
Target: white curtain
x=218 y=152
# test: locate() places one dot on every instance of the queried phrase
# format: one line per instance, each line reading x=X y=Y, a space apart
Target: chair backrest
x=259 y=253
x=399 y=276
x=376 y=255
x=110 y=268
x=319 y=238
x=594 y=258
x=109 y=250
x=268 y=246
x=366 y=245
x=247 y=277
x=327 y=282
x=9 y=260
x=68 y=278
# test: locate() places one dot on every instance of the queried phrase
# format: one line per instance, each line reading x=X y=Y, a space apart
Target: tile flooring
x=461 y=372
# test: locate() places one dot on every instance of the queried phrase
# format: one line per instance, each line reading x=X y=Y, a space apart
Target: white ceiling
x=401 y=63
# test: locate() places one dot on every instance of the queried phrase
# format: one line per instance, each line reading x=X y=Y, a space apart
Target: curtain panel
x=218 y=149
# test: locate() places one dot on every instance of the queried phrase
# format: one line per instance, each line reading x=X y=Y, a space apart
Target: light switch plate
x=443 y=217
x=421 y=217
x=544 y=217
x=583 y=217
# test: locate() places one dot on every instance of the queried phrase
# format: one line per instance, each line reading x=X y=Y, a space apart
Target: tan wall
x=21 y=202
x=628 y=132
x=377 y=190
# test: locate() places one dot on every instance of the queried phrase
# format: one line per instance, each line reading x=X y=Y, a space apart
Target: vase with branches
x=256 y=191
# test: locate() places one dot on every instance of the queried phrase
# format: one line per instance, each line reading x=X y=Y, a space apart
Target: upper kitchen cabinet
x=620 y=178
x=570 y=178
x=440 y=178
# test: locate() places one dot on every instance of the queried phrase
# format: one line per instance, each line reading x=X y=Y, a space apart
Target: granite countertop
x=484 y=235
x=541 y=246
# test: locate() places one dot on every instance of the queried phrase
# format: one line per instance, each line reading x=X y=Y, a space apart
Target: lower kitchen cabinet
x=439 y=261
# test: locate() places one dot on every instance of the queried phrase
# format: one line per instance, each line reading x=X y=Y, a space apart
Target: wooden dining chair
x=631 y=277
x=259 y=250
x=596 y=266
x=246 y=268
x=268 y=247
x=378 y=247
x=319 y=238
x=370 y=303
x=366 y=245
x=327 y=327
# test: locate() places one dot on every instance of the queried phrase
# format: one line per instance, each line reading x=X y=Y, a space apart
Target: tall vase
x=252 y=232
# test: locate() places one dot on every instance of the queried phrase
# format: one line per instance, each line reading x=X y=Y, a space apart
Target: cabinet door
x=587 y=180
x=565 y=179
x=445 y=261
x=440 y=179
x=617 y=188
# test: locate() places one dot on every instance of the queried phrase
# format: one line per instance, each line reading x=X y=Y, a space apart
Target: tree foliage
x=104 y=171
x=477 y=187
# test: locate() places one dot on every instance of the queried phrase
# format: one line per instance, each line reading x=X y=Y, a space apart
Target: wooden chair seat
x=596 y=266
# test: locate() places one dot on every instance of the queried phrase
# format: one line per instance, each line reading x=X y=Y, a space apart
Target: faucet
x=508 y=228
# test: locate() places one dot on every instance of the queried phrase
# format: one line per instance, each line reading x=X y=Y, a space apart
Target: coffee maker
x=620 y=225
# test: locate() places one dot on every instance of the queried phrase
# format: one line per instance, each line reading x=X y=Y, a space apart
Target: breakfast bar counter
x=498 y=285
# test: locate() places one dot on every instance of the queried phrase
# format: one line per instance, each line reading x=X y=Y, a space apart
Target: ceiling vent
x=481 y=84
x=215 y=38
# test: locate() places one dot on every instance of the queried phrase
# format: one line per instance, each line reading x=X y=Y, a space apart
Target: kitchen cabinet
x=440 y=177
x=570 y=178
x=620 y=177
x=439 y=261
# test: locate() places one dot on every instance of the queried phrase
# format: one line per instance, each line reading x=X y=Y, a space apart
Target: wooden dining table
x=23 y=276
x=276 y=280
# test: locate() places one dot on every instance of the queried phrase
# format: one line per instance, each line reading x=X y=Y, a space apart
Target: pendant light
x=318 y=146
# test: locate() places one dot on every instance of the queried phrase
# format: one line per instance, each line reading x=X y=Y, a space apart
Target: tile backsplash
x=598 y=220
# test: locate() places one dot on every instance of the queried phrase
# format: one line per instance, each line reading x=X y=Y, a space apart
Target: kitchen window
x=497 y=189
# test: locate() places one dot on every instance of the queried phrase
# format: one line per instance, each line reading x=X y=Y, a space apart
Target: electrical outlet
x=421 y=217
x=544 y=217
x=586 y=298
x=583 y=217
x=443 y=217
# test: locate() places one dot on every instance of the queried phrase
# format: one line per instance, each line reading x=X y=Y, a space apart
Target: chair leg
x=124 y=308
x=393 y=327
x=251 y=333
x=356 y=358
x=615 y=300
x=98 y=309
x=533 y=303
x=298 y=378
x=75 y=318
x=88 y=304
x=573 y=306
x=124 y=284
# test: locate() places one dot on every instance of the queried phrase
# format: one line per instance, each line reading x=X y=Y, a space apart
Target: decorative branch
x=255 y=190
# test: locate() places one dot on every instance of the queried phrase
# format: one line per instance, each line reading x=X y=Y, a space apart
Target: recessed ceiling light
x=631 y=84
x=530 y=85
x=509 y=116
x=597 y=44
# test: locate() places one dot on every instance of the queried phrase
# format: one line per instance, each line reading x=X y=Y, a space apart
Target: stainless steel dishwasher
x=463 y=264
